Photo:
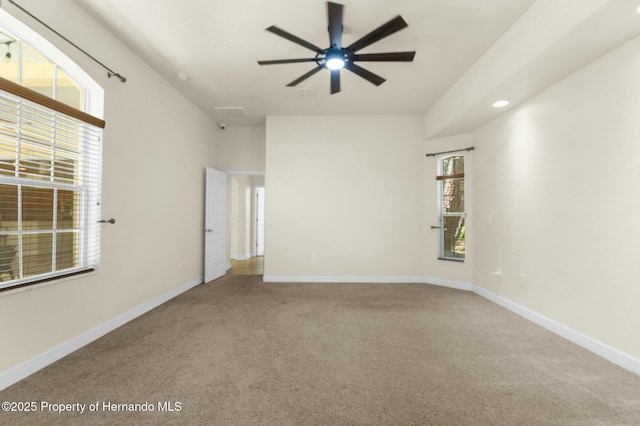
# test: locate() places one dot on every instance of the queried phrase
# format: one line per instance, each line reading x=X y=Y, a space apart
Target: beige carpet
x=236 y=351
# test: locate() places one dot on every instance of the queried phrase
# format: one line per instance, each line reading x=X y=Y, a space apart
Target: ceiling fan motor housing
x=332 y=53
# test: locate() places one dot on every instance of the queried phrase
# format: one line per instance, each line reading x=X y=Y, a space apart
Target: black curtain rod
x=110 y=73
x=433 y=154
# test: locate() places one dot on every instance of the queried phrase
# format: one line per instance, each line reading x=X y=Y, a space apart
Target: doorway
x=252 y=266
x=247 y=224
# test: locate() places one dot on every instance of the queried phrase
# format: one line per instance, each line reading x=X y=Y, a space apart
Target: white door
x=260 y=221
x=215 y=224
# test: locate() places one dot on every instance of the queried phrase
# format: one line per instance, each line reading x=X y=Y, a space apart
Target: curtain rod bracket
x=433 y=154
x=118 y=76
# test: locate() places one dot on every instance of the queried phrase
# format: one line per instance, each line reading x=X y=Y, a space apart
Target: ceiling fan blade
x=286 y=61
x=291 y=37
x=304 y=76
x=381 y=57
x=396 y=24
x=367 y=75
x=335 y=81
x=335 y=24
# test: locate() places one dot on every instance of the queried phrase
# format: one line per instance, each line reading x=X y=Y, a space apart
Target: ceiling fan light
x=335 y=63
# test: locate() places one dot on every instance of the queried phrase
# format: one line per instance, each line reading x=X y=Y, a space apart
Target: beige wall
x=344 y=197
x=156 y=146
x=241 y=148
x=557 y=202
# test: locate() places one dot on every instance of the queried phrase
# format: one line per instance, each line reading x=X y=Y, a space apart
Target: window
x=24 y=65
x=451 y=204
x=50 y=169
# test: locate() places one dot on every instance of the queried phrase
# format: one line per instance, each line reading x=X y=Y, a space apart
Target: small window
x=451 y=205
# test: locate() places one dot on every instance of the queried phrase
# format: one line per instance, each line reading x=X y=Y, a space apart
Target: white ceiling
x=469 y=52
x=217 y=43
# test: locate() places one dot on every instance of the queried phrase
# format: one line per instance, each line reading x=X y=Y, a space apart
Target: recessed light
x=500 y=103
x=638 y=9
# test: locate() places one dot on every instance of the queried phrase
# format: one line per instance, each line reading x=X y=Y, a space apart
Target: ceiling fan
x=335 y=57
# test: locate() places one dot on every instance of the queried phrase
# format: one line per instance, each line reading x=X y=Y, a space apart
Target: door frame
x=254 y=249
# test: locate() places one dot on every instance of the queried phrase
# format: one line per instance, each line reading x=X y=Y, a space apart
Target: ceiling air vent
x=306 y=93
x=231 y=113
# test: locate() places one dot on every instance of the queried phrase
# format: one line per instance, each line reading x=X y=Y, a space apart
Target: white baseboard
x=38 y=362
x=341 y=279
x=458 y=285
x=614 y=355
x=400 y=279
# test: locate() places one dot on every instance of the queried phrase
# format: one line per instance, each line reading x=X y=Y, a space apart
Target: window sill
x=39 y=283
x=451 y=260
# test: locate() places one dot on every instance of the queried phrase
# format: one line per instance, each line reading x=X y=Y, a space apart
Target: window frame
x=93 y=106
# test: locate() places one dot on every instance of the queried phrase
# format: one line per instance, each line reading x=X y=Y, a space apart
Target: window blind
x=50 y=180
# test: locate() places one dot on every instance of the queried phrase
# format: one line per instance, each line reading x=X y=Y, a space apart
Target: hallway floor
x=251 y=266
